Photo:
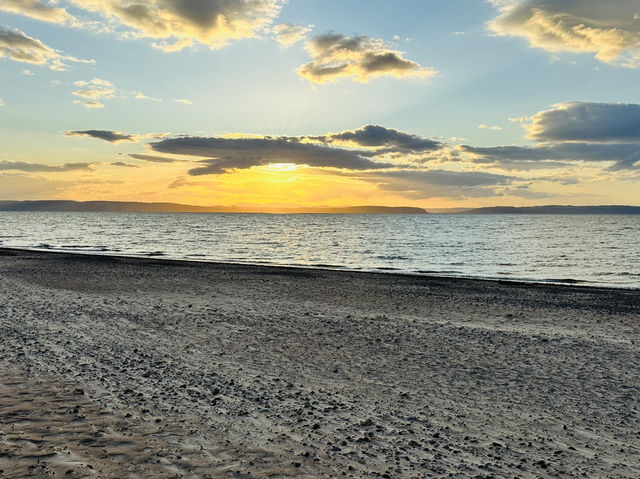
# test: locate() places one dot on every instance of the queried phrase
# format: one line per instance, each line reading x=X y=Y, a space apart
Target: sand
x=116 y=367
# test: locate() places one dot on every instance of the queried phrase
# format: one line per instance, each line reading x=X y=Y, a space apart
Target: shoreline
x=193 y=369
x=568 y=282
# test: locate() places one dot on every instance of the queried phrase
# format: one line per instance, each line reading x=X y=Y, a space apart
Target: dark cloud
x=587 y=122
x=379 y=136
x=124 y=165
x=154 y=158
x=611 y=30
x=421 y=184
x=224 y=154
x=336 y=56
x=39 y=167
x=625 y=155
x=106 y=135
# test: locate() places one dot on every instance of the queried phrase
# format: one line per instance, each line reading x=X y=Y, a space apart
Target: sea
x=588 y=250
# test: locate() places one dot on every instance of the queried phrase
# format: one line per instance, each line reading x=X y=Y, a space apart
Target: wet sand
x=119 y=367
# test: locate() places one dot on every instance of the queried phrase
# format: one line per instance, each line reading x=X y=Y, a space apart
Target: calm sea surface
x=592 y=250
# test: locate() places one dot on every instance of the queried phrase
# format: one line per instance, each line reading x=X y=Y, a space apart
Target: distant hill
x=557 y=210
x=139 y=207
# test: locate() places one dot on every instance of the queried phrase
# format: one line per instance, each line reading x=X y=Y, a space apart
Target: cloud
x=106 y=135
x=38 y=10
x=224 y=154
x=624 y=155
x=20 y=186
x=608 y=29
x=184 y=101
x=587 y=122
x=20 y=47
x=422 y=184
x=116 y=136
x=124 y=165
x=1 y=102
x=360 y=58
x=154 y=158
x=39 y=167
x=289 y=34
x=482 y=126
x=26 y=72
x=180 y=23
x=141 y=96
x=89 y=104
x=376 y=136
x=93 y=92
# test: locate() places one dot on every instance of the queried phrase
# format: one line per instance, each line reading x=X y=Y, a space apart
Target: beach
x=127 y=367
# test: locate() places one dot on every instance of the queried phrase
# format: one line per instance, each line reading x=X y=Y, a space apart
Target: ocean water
x=590 y=250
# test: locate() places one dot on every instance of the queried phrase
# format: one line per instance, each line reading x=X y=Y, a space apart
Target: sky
x=276 y=103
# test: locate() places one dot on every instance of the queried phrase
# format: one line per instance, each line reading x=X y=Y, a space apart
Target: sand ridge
x=321 y=373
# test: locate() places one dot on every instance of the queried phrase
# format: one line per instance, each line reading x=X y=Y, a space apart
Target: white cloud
x=38 y=10
x=89 y=103
x=607 y=29
x=184 y=101
x=288 y=34
x=361 y=58
x=138 y=95
x=483 y=126
x=27 y=72
x=1 y=102
x=177 y=24
x=20 y=47
x=94 y=92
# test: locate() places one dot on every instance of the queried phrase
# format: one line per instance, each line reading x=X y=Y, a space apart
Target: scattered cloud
x=124 y=165
x=40 y=167
x=360 y=58
x=582 y=26
x=483 y=126
x=115 y=136
x=154 y=158
x=94 y=92
x=586 y=122
x=184 y=101
x=138 y=95
x=177 y=24
x=89 y=104
x=38 y=10
x=1 y=102
x=289 y=34
x=106 y=135
x=26 y=72
x=20 y=47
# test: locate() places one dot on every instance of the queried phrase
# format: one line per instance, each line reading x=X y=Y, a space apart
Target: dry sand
x=113 y=367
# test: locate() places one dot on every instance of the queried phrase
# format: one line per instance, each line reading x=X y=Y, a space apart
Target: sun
x=280 y=167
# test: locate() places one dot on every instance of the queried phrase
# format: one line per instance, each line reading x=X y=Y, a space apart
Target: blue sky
x=456 y=72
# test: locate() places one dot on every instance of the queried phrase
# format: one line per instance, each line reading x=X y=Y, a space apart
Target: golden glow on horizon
x=281 y=185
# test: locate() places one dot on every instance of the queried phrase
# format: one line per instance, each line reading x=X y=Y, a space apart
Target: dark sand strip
x=274 y=372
